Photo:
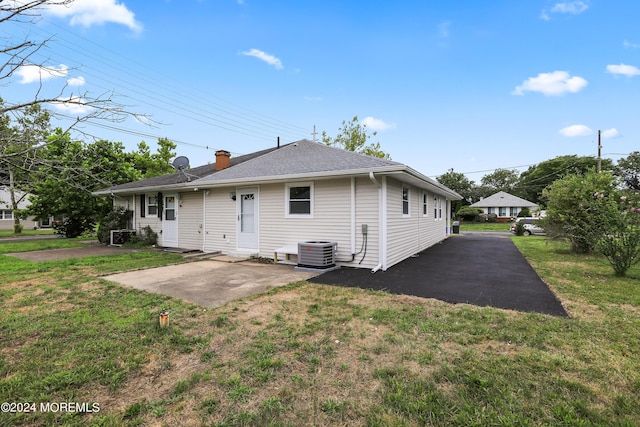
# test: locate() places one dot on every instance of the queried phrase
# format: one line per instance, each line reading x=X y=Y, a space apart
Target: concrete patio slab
x=213 y=282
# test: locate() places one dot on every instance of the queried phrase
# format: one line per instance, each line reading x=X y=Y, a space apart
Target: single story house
x=378 y=211
x=506 y=206
x=6 y=210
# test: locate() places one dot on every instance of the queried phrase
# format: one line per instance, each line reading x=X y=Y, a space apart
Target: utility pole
x=599 y=164
x=314 y=133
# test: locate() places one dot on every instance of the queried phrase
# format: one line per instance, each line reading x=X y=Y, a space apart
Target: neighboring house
x=6 y=211
x=506 y=206
x=378 y=211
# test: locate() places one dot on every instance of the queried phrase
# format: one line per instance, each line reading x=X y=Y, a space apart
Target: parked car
x=530 y=226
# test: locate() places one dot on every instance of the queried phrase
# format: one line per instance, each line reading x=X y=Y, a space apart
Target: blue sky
x=469 y=85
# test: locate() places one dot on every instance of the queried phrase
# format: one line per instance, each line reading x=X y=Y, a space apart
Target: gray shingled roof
x=178 y=178
x=503 y=200
x=295 y=160
x=302 y=157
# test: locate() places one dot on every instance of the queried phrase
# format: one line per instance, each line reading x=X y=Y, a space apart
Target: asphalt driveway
x=474 y=269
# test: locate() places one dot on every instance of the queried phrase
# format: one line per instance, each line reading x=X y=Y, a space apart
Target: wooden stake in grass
x=164 y=318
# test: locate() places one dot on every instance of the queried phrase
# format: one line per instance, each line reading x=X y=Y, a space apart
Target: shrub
x=615 y=230
x=467 y=213
x=492 y=217
x=525 y=212
x=145 y=237
x=520 y=228
x=117 y=219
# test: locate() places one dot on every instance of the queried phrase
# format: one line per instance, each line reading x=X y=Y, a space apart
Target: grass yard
x=308 y=354
x=485 y=226
x=26 y=232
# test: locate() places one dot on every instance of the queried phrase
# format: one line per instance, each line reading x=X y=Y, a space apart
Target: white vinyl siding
x=190 y=225
x=221 y=220
x=331 y=218
x=408 y=236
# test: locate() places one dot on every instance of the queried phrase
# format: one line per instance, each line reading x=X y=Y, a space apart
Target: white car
x=530 y=226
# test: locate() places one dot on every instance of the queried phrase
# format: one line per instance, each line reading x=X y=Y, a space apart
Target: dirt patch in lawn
x=90 y=249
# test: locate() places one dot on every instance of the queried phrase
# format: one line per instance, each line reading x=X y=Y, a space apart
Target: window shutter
x=160 y=206
x=143 y=207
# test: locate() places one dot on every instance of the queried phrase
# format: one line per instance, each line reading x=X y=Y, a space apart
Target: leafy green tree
x=155 y=164
x=568 y=201
x=535 y=179
x=459 y=183
x=615 y=229
x=70 y=172
x=20 y=140
x=500 y=180
x=353 y=136
x=628 y=170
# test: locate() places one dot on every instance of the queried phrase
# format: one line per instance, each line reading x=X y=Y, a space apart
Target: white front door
x=247 y=206
x=170 y=221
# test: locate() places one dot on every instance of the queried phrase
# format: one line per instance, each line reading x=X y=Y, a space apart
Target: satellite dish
x=180 y=162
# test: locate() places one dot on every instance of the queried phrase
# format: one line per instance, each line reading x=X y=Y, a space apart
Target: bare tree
x=19 y=146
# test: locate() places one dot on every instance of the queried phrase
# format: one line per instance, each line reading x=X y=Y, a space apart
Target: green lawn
x=27 y=232
x=485 y=226
x=309 y=354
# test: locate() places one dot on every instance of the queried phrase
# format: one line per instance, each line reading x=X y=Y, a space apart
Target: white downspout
x=380 y=221
x=135 y=222
x=353 y=215
x=204 y=220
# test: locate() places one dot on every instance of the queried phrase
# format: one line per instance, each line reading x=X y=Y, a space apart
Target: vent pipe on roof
x=278 y=142
x=222 y=159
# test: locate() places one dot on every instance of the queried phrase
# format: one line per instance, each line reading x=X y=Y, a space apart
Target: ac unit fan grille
x=317 y=254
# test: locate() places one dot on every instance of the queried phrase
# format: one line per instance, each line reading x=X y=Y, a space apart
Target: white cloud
x=377 y=124
x=35 y=73
x=575 y=130
x=263 y=56
x=72 y=105
x=444 y=29
x=610 y=133
x=628 y=44
x=89 y=12
x=625 y=70
x=551 y=84
x=76 y=81
x=313 y=98
x=573 y=8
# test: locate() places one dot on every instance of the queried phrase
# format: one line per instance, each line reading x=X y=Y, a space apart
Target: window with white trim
x=513 y=211
x=299 y=200
x=437 y=207
x=502 y=211
x=425 y=204
x=152 y=205
x=405 y=201
x=6 y=214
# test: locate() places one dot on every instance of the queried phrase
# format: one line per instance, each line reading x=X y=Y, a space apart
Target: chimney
x=222 y=159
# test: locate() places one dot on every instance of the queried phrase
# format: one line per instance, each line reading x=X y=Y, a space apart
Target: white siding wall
x=190 y=222
x=220 y=221
x=152 y=221
x=407 y=235
x=331 y=219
